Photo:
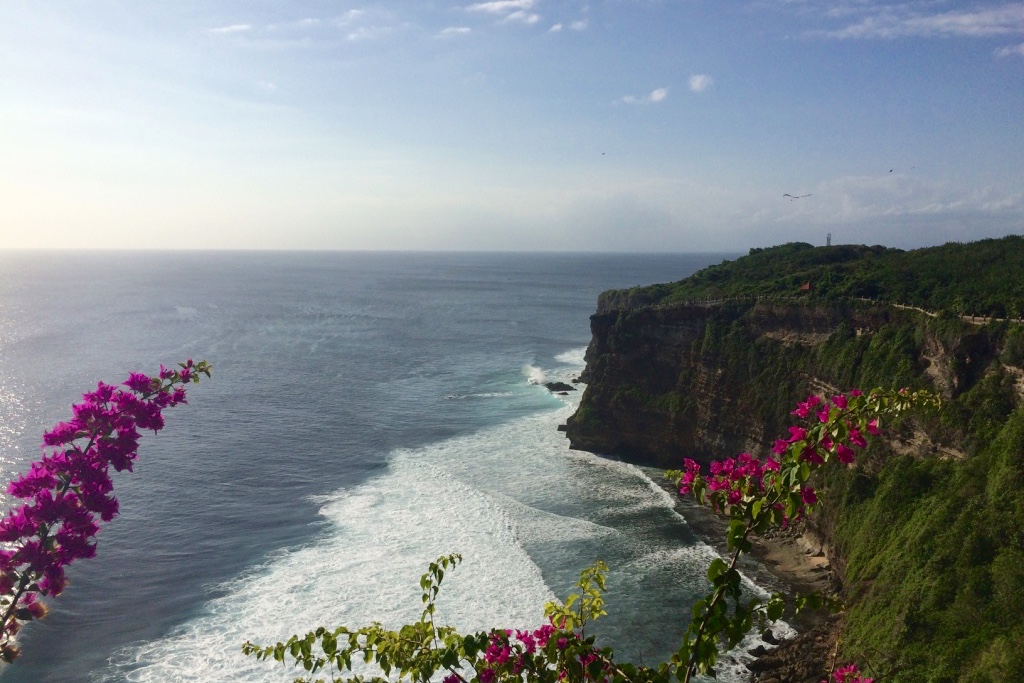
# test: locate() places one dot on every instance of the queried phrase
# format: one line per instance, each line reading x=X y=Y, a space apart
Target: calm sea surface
x=367 y=413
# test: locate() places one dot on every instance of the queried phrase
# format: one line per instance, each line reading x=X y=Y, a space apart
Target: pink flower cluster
x=848 y=674
x=737 y=477
x=516 y=653
x=71 y=486
x=814 y=451
x=500 y=650
x=745 y=478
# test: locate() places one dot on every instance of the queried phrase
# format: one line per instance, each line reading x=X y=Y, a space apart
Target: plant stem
x=720 y=592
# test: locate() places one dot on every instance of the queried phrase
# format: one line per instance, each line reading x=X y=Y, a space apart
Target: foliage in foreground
x=756 y=494
x=71 y=486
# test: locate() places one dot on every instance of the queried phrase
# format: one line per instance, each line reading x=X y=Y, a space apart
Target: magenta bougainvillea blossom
x=760 y=494
x=746 y=477
x=849 y=674
x=70 y=488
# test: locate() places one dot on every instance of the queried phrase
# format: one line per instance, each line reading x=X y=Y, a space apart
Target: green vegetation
x=971 y=278
x=931 y=543
x=935 y=552
x=934 y=546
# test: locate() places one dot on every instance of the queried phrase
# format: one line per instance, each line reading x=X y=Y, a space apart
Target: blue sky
x=618 y=125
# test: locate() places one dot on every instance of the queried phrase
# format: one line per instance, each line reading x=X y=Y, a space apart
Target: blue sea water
x=367 y=413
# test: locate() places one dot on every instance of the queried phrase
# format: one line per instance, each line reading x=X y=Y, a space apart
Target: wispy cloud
x=512 y=11
x=700 y=82
x=1011 y=51
x=859 y=199
x=501 y=6
x=521 y=17
x=902 y=20
x=578 y=25
x=455 y=31
x=354 y=25
x=654 y=97
x=233 y=28
x=373 y=32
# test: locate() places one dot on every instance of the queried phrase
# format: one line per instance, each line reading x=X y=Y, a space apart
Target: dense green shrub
x=967 y=279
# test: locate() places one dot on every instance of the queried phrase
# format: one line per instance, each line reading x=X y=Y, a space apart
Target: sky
x=525 y=125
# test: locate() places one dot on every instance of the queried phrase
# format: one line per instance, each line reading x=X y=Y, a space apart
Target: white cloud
x=1011 y=51
x=233 y=28
x=555 y=29
x=521 y=17
x=267 y=86
x=580 y=25
x=656 y=96
x=898 y=21
x=700 y=82
x=455 y=31
x=501 y=6
x=888 y=200
x=513 y=10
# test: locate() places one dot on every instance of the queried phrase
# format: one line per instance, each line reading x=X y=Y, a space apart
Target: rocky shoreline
x=793 y=561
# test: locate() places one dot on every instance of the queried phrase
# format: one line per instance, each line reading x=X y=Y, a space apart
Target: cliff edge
x=924 y=534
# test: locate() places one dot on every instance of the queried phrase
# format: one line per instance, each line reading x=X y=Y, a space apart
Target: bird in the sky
x=792 y=197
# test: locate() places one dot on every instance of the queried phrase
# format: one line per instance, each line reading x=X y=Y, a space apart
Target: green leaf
x=717 y=567
x=737 y=529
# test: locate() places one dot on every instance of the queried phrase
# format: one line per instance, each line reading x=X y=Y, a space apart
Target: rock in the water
x=555 y=387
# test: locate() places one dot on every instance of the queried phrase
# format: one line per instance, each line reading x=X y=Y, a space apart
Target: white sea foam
x=534 y=374
x=483 y=394
x=382 y=536
x=573 y=357
x=495 y=496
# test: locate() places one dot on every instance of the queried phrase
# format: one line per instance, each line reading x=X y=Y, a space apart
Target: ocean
x=368 y=412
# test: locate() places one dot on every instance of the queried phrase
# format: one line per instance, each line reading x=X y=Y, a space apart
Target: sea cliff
x=702 y=380
x=924 y=534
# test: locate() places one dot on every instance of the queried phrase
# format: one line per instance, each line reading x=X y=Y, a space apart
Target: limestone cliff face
x=702 y=380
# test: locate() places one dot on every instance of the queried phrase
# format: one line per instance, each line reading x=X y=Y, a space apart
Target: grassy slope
x=935 y=548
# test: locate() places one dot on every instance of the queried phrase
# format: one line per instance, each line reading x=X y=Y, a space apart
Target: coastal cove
x=371 y=412
x=367 y=413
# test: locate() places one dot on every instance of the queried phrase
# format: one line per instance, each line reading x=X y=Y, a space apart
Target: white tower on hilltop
x=828 y=240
